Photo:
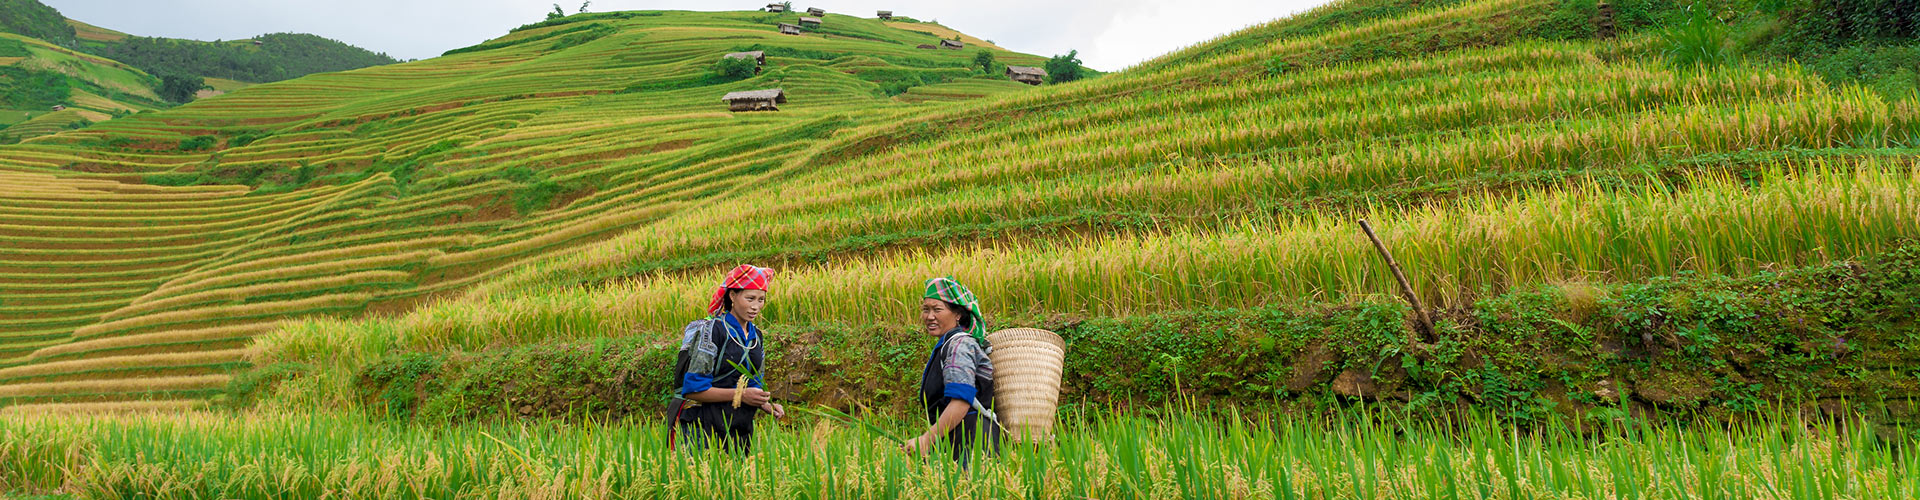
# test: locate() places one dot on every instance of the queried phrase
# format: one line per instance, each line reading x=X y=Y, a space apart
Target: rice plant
x=1346 y=455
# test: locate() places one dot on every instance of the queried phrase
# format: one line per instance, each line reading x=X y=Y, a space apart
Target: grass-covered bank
x=254 y=456
x=1826 y=336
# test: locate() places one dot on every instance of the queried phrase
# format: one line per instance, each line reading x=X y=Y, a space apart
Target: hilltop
x=46 y=89
x=566 y=188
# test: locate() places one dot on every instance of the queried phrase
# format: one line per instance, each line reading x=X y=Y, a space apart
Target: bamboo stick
x=1423 y=322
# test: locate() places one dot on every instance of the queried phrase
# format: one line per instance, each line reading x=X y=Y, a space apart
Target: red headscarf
x=745 y=277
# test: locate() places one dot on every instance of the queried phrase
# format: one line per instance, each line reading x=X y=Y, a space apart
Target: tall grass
x=1339 y=457
x=1454 y=253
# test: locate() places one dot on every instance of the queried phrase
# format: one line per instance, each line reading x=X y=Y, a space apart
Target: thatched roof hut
x=952 y=44
x=886 y=15
x=816 y=11
x=755 y=100
x=776 y=7
x=59 y=107
x=809 y=20
x=1027 y=74
x=789 y=29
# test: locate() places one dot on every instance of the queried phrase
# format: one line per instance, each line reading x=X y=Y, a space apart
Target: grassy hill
x=36 y=76
x=372 y=190
x=581 y=179
x=276 y=56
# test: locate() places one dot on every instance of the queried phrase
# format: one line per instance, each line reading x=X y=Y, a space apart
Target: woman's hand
x=775 y=409
x=922 y=443
x=755 y=396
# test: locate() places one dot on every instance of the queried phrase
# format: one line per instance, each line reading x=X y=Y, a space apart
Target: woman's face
x=939 y=317
x=748 y=303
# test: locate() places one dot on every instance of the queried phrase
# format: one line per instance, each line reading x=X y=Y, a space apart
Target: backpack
x=713 y=326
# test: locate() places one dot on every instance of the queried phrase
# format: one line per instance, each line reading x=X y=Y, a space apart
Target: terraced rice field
x=588 y=170
x=118 y=291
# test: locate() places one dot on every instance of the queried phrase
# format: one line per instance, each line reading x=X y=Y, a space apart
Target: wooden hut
x=814 y=21
x=759 y=58
x=1027 y=74
x=952 y=44
x=59 y=107
x=816 y=12
x=755 y=100
x=789 y=29
x=886 y=15
x=258 y=43
x=776 y=7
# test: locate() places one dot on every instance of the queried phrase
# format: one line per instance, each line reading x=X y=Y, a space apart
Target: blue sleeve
x=962 y=392
x=695 y=382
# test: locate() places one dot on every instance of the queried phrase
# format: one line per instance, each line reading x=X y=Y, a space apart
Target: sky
x=1110 y=34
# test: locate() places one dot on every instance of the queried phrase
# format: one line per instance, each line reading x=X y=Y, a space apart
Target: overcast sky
x=1109 y=34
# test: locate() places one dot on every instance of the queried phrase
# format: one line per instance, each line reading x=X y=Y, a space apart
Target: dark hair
x=726 y=300
x=966 y=315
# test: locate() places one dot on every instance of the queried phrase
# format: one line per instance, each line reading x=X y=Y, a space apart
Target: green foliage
x=1276 y=66
x=733 y=69
x=602 y=16
x=247 y=387
x=247 y=137
x=199 y=143
x=280 y=56
x=1064 y=68
x=536 y=190
x=1687 y=343
x=31 y=89
x=13 y=48
x=984 y=60
x=1870 y=42
x=36 y=20
x=585 y=32
x=176 y=179
x=557 y=13
x=1699 y=42
x=393 y=387
x=1894 y=71
x=1572 y=20
x=575 y=39
x=180 y=88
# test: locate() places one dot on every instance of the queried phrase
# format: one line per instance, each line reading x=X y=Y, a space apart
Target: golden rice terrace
x=583 y=178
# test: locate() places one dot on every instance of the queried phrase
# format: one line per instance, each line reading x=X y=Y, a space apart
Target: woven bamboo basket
x=1027 y=364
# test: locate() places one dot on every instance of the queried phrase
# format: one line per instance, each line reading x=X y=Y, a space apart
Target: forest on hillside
x=278 y=56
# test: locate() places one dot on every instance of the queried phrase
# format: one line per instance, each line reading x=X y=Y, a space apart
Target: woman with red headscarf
x=720 y=405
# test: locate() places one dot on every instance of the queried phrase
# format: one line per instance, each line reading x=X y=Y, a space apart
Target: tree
x=1064 y=68
x=732 y=68
x=583 y=6
x=557 y=13
x=181 y=88
x=984 y=59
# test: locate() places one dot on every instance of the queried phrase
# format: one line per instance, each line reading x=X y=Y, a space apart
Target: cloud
x=1110 y=35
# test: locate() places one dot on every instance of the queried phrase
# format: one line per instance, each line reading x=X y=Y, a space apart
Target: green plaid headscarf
x=952 y=292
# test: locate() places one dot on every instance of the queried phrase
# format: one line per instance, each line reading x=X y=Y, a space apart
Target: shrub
x=732 y=69
x=984 y=59
x=181 y=88
x=198 y=143
x=1700 y=41
x=1064 y=68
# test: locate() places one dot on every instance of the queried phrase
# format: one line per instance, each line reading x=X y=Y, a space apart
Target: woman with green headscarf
x=957 y=384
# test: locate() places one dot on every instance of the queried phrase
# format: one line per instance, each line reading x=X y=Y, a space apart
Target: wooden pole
x=1423 y=322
